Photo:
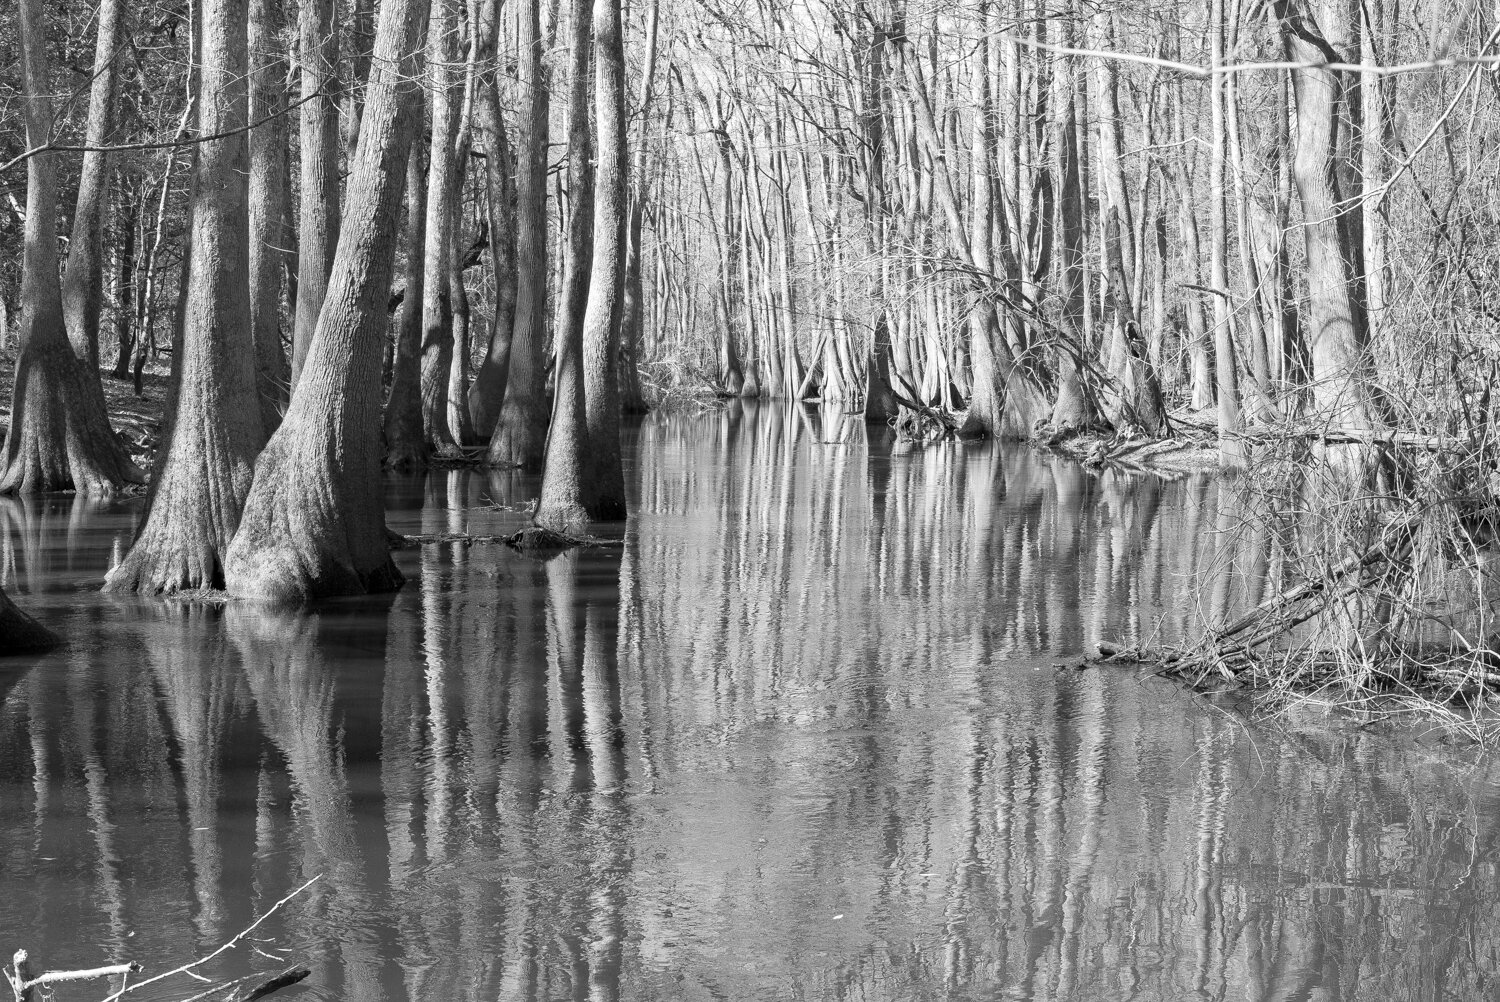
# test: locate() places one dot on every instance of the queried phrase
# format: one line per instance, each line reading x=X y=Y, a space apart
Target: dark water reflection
x=804 y=735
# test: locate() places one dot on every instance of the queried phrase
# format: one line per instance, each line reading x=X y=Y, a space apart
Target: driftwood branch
x=229 y=945
x=89 y=975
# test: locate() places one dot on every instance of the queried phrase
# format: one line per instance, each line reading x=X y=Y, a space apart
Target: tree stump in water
x=20 y=634
x=541 y=543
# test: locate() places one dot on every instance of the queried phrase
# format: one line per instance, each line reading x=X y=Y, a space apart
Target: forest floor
x=136 y=419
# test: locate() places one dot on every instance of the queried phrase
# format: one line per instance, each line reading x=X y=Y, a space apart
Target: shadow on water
x=805 y=734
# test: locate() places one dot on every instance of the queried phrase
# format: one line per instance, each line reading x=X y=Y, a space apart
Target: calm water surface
x=811 y=732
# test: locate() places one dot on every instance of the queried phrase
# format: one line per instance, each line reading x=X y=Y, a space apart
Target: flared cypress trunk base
x=302 y=538
x=60 y=438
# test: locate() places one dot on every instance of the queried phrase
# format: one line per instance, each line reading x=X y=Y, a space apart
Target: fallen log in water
x=1230 y=650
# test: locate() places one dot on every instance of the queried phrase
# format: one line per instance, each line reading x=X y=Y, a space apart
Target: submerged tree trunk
x=560 y=506
x=214 y=421
x=604 y=477
x=59 y=437
x=314 y=523
x=83 y=281
x=520 y=434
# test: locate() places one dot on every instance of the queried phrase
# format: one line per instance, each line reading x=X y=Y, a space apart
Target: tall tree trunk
x=214 y=422
x=604 y=481
x=1344 y=388
x=1140 y=393
x=405 y=445
x=633 y=397
x=1074 y=409
x=488 y=387
x=561 y=504
x=1006 y=402
x=1232 y=453
x=318 y=222
x=442 y=192
x=314 y=522
x=129 y=221
x=880 y=401
x=83 y=281
x=519 y=438
x=270 y=223
x=59 y=436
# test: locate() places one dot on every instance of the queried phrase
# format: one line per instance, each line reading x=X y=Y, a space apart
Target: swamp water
x=812 y=732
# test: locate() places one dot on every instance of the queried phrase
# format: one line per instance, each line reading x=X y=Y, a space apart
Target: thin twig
x=187 y=968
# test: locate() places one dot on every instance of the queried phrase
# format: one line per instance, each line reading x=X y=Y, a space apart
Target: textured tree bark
x=1200 y=363
x=405 y=445
x=59 y=436
x=1345 y=392
x=1005 y=401
x=271 y=231
x=520 y=433
x=560 y=506
x=214 y=423
x=442 y=189
x=632 y=394
x=314 y=522
x=488 y=388
x=318 y=221
x=1232 y=452
x=880 y=401
x=604 y=481
x=1074 y=409
x=1140 y=393
x=83 y=281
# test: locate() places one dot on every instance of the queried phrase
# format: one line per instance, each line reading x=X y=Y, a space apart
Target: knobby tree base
x=305 y=535
x=60 y=438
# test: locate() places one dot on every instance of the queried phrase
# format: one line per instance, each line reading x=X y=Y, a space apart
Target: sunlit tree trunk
x=442 y=190
x=631 y=393
x=318 y=220
x=214 y=423
x=83 y=281
x=1232 y=453
x=880 y=402
x=604 y=483
x=271 y=233
x=1344 y=388
x=561 y=505
x=314 y=522
x=520 y=435
x=1074 y=409
x=59 y=436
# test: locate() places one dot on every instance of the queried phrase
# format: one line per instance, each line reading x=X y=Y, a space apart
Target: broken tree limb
x=230 y=944
x=290 y=976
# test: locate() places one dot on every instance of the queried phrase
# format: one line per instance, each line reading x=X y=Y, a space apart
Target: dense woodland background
x=479 y=231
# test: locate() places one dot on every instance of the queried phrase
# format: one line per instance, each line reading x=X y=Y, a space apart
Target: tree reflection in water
x=808 y=731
